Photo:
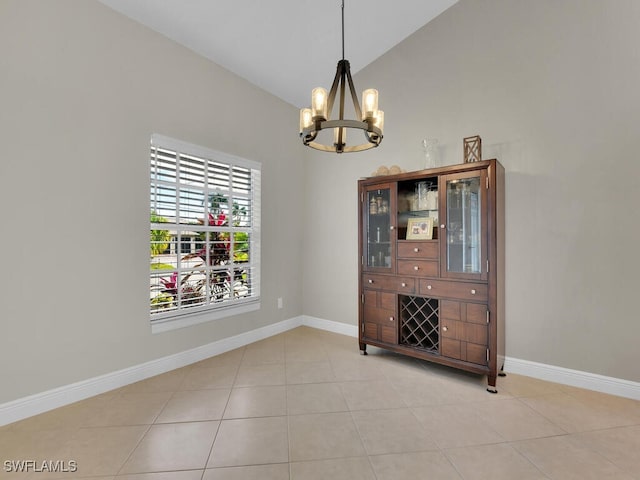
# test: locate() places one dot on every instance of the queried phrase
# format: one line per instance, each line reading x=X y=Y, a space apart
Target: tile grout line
x=224 y=410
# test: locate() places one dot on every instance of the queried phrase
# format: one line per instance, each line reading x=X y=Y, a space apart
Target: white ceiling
x=286 y=47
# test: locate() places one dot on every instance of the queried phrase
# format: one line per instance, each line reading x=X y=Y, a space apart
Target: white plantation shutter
x=205 y=232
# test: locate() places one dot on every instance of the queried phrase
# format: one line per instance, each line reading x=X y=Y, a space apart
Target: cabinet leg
x=502 y=374
x=363 y=349
x=491 y=380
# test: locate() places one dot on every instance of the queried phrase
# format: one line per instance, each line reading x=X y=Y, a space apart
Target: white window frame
x=209 y=309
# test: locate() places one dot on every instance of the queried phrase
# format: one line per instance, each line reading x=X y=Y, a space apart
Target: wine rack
x=419 y=323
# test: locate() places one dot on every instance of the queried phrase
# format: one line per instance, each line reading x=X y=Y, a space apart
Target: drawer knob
x=428 y=287
x=442 y=225
x=403 y=284
x=416 y=268
x=370 y=281
x=391 y=227
x=473 y=291
x=391 y=319
x=416 y=249
x=444 y=329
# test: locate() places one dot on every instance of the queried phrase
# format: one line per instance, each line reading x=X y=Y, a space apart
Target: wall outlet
x=279 y=302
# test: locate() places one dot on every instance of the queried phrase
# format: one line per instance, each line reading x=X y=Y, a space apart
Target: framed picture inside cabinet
x=420 y=228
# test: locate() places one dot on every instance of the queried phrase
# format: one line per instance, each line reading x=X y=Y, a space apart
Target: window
x=205 y=234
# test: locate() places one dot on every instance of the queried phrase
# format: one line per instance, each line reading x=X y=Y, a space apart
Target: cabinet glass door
x=465 y=217
x=378 y=205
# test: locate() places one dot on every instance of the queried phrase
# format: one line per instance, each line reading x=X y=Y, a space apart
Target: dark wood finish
x=393 y=283
x=428 y=268
x=417 y=249
x=464 y=329
x=472 y=149
x=379 y=311
x=364 y=209
x=484 y=193
x=463 y=312
x=462 y=290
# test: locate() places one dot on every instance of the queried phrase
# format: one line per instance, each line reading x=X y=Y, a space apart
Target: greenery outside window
x=205 y=233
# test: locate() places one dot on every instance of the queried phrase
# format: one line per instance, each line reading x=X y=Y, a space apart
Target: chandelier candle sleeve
x=379 y=120
x=306 y=119
x=319 y=103
x=369 y=103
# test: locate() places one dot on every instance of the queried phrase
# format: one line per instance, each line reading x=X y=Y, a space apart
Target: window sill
x=181 y=321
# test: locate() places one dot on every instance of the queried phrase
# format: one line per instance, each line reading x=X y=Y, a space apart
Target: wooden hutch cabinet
x=431 y=281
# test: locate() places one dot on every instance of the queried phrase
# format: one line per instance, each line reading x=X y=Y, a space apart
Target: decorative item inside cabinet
x=417 y=199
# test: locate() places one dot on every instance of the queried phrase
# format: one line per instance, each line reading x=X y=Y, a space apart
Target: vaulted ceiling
x=286 y=47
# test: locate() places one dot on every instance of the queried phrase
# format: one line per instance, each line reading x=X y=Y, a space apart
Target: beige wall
x=552 y=88
x=81 y=90
x=549 y=85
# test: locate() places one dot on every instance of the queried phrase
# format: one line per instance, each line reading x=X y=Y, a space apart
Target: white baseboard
x=42 y=402
x=330 y=325
x=575 y=378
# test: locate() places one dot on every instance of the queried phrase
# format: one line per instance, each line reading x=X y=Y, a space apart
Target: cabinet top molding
x=460 y=167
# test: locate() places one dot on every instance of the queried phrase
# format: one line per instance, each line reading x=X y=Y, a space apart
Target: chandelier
x=317 y=118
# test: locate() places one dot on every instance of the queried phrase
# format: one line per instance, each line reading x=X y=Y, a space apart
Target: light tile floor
x=305 y=405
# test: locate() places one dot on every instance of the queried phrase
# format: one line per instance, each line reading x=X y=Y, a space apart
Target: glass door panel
x=417 y=199
x=378 y=246
x=465 y=225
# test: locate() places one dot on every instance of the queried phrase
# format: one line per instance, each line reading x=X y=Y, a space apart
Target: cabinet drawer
x=464 y=291
x=389 y=282
x=423 y=268
x=410 y=249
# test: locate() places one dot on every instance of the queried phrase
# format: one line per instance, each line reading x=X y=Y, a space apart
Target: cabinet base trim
x=574 y=378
